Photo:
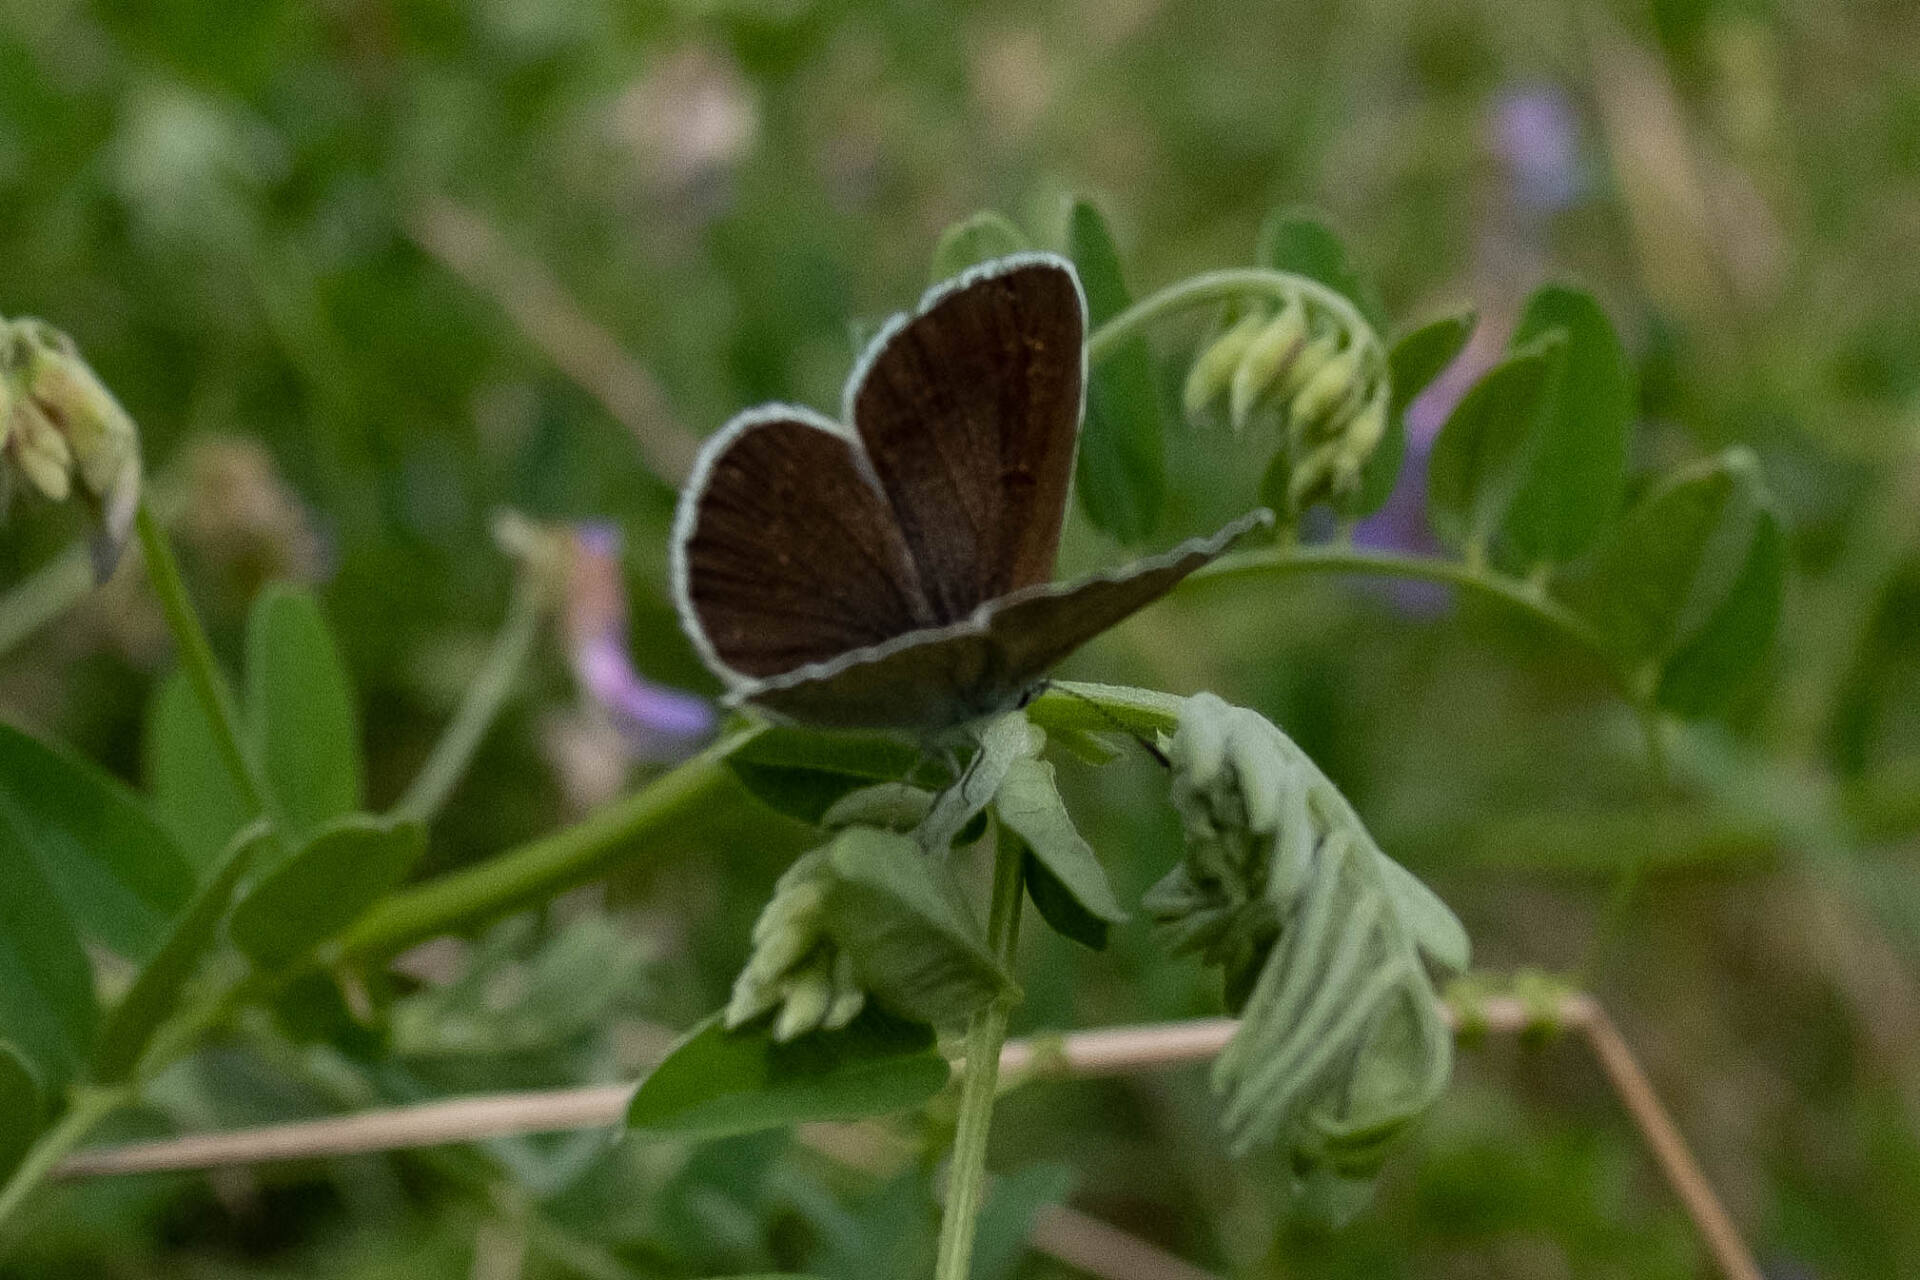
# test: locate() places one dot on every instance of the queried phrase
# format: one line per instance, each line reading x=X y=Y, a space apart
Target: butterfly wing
x=932 y=679
x=785 y=552
x=970 y=410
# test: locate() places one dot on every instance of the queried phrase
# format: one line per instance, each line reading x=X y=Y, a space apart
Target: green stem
x=50 y=592
x=537 y=870
x=87 y=1108
x=979 y=1076
x=1517 y=595
x=484 y=698
x=196 y=656
x=1218 y=286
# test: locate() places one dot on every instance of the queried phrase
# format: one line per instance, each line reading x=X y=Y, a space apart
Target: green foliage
x=193 y=794
x=1688 y=588
x=300 y=710
x=718 y=1082
x=1483 y=454
x=1576 y=467
x=983 y=237
x=157 y=990
x=1340 y=1045
x=913 y=939
x=1300 y=241
x=1121 y=477
x=114 y=869
x=21 y=1108
x=1068 y=884
x=324 y=886
x=802 y=774
x=47 y=1008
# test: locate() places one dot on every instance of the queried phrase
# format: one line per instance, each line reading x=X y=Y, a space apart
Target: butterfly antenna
x=1151 y=748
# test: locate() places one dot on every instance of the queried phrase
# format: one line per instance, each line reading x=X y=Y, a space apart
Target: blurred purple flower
x=656 y=723
x=1536 y=133
x=1401 y=524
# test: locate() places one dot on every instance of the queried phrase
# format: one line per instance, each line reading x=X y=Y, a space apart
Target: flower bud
x=797 y=972
x=1265 y=360
x=1324 y=394
x=61 y=422
x=1213 y=369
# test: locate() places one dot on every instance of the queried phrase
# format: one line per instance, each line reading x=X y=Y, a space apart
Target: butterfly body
x=894 y=571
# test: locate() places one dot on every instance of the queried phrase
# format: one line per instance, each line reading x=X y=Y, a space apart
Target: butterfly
x=893 y=570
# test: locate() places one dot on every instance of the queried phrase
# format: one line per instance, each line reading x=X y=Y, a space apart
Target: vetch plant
x=875 y=590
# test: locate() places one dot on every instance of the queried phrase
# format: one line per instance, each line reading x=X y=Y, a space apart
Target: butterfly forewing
x=969 y=411
x=786 y=552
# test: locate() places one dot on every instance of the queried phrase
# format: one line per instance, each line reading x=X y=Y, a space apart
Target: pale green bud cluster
x=1321 y=373
x=796 y=971
x=60 y=426
x=1249 y=844
x=1324 y=940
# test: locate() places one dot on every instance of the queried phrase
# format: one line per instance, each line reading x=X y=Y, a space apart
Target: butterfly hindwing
x=987 y=662
x=970 y=411
x=785 y=552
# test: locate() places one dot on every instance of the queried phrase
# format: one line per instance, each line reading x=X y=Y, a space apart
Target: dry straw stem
x=1065 y=1235
x=468 y=245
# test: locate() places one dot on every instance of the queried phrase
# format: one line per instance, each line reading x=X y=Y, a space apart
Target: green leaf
x=1122 y=471
x=1578 y=467
x=1419 y=357
x=1706 y=672
x=194 y=795
x=117 y=871
x=902 y=918
x=983 y=237
x=300 y=710
x=156 y=991
x=346 y=867
x=1482 y=452
x=1688 y=587
x=1071 y=891
x=22 y=1109
x=802 y=774
x=47 y=1006
x=1297 y=240
x=718 y=1082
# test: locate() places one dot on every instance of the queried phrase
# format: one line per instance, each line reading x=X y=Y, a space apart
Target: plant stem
x=1518 y=595
x=979 y=1076
x=48 y=593
x=87 y=1108
x=536 y=870
x=1216 y=286
x=484 y=698
x=196 y=656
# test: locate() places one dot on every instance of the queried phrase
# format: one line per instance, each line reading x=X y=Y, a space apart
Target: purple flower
x=656 y=723
x=1536 y=133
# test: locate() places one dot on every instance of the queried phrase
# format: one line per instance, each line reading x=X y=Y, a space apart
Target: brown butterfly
x=894 y=570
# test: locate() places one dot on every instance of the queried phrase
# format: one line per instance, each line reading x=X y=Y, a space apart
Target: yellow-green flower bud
x=849 y=997
x=1311 y=360
x=1212 y=371
x=1329 y=389
x=797 y=971
x=39 y=453
x=61 y=422
x=807 y=996
x=1266 y=358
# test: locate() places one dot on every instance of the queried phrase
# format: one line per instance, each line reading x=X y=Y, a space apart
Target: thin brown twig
x=585 y=351
x=1669 y=1148
x=1079 y=1055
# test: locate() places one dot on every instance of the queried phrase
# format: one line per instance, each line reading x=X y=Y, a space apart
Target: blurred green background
x=327 y=252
